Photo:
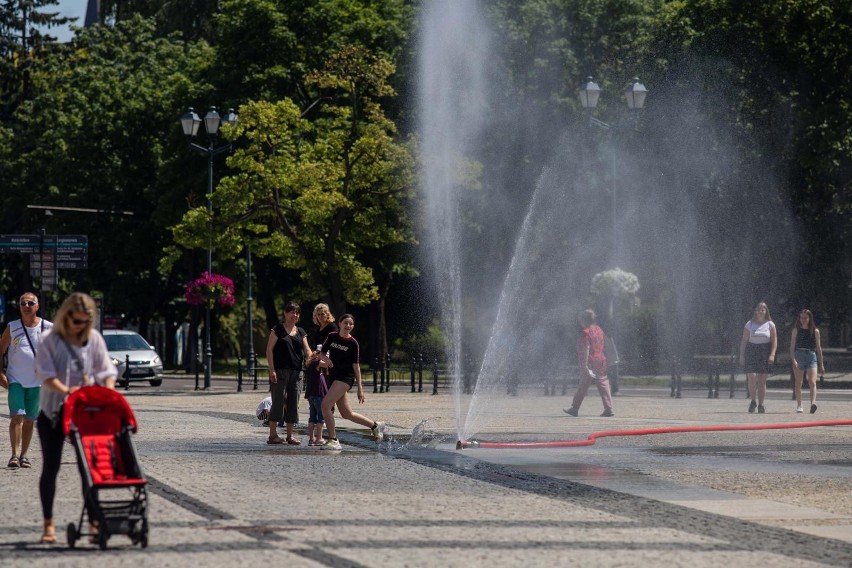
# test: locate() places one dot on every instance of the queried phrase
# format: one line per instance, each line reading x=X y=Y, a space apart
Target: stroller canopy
x=97 y=410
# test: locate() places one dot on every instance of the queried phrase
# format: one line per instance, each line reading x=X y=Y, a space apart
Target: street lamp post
x=634 y=96
x=190 y=122
x=251 y=362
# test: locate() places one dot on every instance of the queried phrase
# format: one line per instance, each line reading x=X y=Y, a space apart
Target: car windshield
x=126 y=343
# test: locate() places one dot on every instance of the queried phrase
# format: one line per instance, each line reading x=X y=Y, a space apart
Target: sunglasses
x=29 y=303
x=80 y=322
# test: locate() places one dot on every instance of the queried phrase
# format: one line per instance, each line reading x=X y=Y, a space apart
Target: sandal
x=48 y=535
x=275 y=441
x=13 y=462
x=24 y=462
x=293 y=442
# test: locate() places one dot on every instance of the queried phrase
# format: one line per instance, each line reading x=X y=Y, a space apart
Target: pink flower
x=210 y=289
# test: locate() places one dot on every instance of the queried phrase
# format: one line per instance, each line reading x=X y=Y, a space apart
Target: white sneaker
x=799 y=409
x=331 y=445
x=378 y=433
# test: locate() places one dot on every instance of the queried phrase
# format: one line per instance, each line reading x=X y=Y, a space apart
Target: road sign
x=72 y=252
x=65 y=252
x=20 y=244
x=60 y=260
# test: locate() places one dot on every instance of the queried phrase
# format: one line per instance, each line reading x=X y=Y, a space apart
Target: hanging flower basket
x=209 y=290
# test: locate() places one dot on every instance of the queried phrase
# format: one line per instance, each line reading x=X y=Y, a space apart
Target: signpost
x=49 y=254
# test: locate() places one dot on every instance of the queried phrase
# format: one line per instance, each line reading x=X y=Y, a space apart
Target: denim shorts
x=806 y=358
x=315 y=410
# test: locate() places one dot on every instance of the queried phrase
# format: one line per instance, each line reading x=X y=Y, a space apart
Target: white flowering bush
x=615 y=283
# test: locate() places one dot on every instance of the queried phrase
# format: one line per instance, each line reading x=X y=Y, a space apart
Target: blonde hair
x=320 y=308
x=76 y=302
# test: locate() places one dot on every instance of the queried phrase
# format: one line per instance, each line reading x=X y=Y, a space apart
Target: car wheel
x=156 y=382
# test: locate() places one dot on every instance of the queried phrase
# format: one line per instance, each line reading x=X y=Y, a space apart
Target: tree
x=787 y=65
x=101 y=133
x=324 y=196
x=267 y=47
x=192 y=18
x=23 y=41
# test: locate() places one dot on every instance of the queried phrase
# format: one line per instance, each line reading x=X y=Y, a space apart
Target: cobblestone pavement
x=219 y=494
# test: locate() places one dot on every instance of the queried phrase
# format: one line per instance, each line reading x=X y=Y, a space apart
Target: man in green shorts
x=21 y=340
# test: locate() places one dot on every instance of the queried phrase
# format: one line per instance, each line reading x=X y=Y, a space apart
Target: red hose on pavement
x=644 y=432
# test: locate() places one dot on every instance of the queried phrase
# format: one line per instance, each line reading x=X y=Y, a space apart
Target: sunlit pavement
x=219 y=494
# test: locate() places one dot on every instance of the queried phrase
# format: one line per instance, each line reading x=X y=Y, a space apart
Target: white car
x=145 y=364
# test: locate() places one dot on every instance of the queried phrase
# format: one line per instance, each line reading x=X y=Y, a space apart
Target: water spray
x=463 y=444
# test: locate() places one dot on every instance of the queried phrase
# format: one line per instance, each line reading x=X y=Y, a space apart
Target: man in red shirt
x=592 y=363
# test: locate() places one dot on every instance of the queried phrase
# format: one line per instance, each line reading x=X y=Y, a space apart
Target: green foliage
x=97 y=135
x=316 y=195
x=25 y=41
x=268 y=46
x=787 y=63
x=430 y=343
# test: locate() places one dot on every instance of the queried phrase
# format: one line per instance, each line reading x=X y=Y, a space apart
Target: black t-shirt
x=805 y=339
x=343 y=353
x=323 y=333
x=288 y=352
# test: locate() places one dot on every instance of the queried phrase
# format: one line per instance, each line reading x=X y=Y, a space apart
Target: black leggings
x=52 y=437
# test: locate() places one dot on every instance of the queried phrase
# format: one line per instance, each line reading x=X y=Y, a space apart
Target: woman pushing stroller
x=72 y=354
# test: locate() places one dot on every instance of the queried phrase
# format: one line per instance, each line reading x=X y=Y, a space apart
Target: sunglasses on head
x=29 y=303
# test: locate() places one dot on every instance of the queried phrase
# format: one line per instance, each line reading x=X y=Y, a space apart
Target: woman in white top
x=71 y=355
x=757 y=354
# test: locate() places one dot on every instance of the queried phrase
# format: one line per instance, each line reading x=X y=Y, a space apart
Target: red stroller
x=98 y=422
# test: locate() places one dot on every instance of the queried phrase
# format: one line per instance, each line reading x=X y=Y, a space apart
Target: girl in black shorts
x=341 y=353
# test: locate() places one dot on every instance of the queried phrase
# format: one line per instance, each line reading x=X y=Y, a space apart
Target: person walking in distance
x=757 y=354
x=344 y=362
x=21 y=340
x=806 y=357
x=592 y=364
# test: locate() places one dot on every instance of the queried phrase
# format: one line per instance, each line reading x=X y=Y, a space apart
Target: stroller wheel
x=143 y=536
x=72 y=535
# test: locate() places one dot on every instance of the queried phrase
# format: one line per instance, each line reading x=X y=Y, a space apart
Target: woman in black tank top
x=286 y=352
x=806 y=357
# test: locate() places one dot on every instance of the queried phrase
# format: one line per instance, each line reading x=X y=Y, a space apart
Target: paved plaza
x=220 y=496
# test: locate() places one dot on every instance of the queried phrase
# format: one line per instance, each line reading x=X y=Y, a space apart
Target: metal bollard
x=254 y=370
x=793 y=383
x=375 y=375
x=718 y=383
x=382 y=371
x=239 y=376
x=127 y=372
x=435 y=377
x=413 y=369
x=674 y=379
x=420 y=374
x=733 y=384
x=388 y=368
x=197 y=361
